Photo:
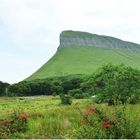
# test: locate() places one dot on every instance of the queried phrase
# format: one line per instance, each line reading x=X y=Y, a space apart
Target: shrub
x=65 y=99
x=54 y=94
x=15 y=123
x=3 y=87
x=76 y=93
x=97 y=123
x=71 y=83
x=97 y=99
x=46 y=86
x=116 y=84
x=78 y=96
x=87 y=95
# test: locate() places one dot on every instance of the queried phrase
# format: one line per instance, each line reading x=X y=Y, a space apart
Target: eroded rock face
x=73 y=39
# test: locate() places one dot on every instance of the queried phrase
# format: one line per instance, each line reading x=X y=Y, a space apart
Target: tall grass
x=50 y=119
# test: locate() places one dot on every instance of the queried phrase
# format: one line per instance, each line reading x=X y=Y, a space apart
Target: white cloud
x=29 y=29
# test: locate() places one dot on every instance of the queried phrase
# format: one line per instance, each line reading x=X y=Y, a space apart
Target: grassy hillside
x=85 y=60
x=83 y=53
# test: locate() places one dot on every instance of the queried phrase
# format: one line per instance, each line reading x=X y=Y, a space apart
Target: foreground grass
x=50 y=119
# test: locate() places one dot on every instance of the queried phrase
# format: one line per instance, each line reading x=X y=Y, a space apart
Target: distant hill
x=83 y=53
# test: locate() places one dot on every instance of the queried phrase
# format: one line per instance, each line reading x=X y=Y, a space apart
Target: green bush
x=116 y=84
x=87 y=95
x=76 y=93
x=54 y=94
x=78 y=96
x=65 y=99
x=3 y=87
x=45 y=86
x=97 y=99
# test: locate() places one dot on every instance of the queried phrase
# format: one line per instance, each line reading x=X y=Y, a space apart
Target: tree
x=3 y=87
x=114 y=84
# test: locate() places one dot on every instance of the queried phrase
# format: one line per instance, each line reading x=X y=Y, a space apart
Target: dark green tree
x=3 y=87
x=116 y=84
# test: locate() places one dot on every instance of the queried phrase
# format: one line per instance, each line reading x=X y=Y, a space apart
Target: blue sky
x=29 y=29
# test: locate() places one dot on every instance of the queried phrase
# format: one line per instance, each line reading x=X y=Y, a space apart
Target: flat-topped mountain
x=83 y=53
x=70 y=38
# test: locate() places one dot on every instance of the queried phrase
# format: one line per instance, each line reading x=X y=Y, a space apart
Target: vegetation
x=116 y=84
x=74 y=113
x=13 y=124
x=57 y=86
x=46 y=117
x=3 y=87
x=99 y=123
x=78 y=93
x=65 y=99
x=71 y=33
x=112 y=84
x=84 y=60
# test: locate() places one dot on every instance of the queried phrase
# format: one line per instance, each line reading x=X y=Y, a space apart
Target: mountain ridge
x=69 y=38
x=87 y=55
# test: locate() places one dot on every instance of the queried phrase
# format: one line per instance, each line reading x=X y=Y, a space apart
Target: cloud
x=29 y=29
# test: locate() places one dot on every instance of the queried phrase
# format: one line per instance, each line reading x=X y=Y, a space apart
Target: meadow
x=48 y=118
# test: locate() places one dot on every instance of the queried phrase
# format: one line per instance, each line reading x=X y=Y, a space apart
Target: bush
x=54 y=94
x=78 y=96
x=65 y=99
x=76 y=93
x=116 y=84
x=86 y=95
x=15 y=123
x=71 y=83
x=97 y=99
x=46 y=86
x=97 y=123
x=3 y=87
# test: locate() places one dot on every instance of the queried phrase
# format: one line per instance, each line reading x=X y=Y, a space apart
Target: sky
x=29 y=29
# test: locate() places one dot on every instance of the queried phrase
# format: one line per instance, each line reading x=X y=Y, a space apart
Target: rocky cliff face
x=74 y=38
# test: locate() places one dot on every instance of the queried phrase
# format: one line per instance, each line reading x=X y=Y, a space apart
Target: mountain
x=83 y=53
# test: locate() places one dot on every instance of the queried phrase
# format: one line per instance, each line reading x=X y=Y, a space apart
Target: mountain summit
x=76 y=38
x=83 y=53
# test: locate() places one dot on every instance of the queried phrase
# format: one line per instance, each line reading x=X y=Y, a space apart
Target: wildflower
x=81 y=122
x=114 y=119
x=23 y=116
x=88 y=111
x=1 y=122
x=94 y=107
x=106 y=124
x=8 y=124
x=118 y=123
x=43 y=137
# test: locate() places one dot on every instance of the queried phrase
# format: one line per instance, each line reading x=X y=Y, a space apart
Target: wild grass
x=50 y=119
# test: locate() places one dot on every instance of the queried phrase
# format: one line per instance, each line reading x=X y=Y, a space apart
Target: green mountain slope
x=83 y=53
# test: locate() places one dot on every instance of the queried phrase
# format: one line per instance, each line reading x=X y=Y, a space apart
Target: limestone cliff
x=75 y=38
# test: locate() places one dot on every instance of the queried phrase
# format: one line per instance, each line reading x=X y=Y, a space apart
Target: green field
x=84 y=60
x=50 y=119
